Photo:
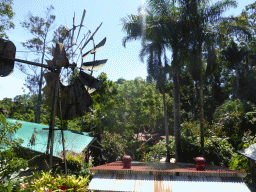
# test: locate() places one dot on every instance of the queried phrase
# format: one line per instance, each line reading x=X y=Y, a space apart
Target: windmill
x=66 y=101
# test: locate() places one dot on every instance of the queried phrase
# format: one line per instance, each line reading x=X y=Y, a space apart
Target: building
x=171 y=177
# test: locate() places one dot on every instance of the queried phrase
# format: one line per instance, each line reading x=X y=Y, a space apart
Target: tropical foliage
x=44 y=181
x=10 y=163
x=5 y=17
x=203 y=95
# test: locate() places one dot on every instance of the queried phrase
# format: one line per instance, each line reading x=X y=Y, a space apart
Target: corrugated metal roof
x=73 y=141
x=249 y=151
x=160 y=168
x=160 y=183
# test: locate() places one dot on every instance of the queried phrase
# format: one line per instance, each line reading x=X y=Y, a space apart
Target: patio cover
x=75 y=141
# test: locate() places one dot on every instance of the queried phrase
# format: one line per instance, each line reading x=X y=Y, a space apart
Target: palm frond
x=213 y=13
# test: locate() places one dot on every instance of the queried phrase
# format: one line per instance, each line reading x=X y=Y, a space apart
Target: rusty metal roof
x=160 y=183
x=162 y=168
x=172 y=177
x=249 y=151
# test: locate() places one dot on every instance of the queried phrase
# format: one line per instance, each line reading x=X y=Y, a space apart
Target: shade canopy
x=249 y=152
x=75 y=141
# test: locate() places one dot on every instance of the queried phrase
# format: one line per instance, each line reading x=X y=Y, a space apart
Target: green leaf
x=10 y=187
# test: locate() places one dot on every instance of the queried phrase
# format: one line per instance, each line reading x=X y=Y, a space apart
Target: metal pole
x=52 y=124
x=64 y=152
x=63 y=140
x=25 y=61
x=73 y=65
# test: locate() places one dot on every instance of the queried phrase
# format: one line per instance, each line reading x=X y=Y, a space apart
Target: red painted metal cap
x=127 y=161
x=200 y=159
x=200 y=163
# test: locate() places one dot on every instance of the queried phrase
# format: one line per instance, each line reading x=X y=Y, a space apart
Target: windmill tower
x=66 y=101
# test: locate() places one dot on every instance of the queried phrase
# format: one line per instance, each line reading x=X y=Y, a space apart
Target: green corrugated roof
x=75 y=141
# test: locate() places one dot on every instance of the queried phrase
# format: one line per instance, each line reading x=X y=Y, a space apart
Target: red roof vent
x=200 y=163
x=127 y=162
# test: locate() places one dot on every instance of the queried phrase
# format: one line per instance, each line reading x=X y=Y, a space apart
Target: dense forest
x=204 y=96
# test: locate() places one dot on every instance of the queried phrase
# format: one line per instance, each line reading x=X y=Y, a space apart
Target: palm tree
x=199 y=17
x=153 y=46
x=163 y=29
x=234 y=55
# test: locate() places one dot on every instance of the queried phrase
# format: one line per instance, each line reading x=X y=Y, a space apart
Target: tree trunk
x=201 y=105
x=38 y=111
x=166 y=128
x=176 y=101
x=237 y=83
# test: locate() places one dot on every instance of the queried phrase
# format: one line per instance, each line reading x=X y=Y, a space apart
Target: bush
x=10 y=164
x=190 y=148
x=113 y=147
x=158 y=151
x=192 y=128
x=75 y=161
x=239 y=162
x=217 y=151
x=233 y=119
x=44 y=181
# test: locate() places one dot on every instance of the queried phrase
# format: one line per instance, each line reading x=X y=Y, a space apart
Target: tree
x=39 y=28
x=234 y=55
x=199 y=15
x=5 y=17
x=172 y=29
x=153 y=46
x=165 y=26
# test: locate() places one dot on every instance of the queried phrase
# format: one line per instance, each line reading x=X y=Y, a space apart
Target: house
x=147 y=137
x=171 y=177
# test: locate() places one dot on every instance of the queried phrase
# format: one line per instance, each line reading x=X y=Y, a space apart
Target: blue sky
x=122 y=62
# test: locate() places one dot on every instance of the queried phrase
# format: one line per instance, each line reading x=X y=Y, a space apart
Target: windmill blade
x=59 y=57
x=82 y=97
x=68 y=107
x=48 y=90
x=99 y=46
x=89 y=82
x=75 y=100
x=82 y=20
x=7 y=50
x=91 y=36
x=94 y=65
x=73 y=32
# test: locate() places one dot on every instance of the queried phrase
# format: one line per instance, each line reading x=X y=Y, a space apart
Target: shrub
x=44 y=181
x=239 y=162
x=10 y=164
x=158 y=151
x=113 y=147
x=233 y=119
x=192 y=128
x=75 y=161
x=190 y=148
x=217 y=151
